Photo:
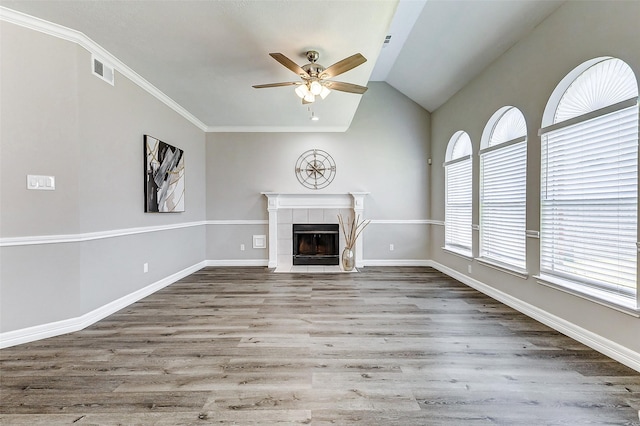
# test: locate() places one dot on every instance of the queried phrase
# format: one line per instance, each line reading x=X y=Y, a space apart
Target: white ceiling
x=206 y=54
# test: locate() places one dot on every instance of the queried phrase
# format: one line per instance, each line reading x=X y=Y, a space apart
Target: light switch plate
x=43 y=183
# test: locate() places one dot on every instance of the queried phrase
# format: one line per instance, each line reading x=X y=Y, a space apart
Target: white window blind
x=503 y=192
x=458 y=209
x=509 y=126
x=589 y=205
x=503 y=163
x=606 y=83
x=458 y=232
x=589 y=182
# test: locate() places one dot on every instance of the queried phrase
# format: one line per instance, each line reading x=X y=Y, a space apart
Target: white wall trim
x=403 y=222
x=601 y=344
x=81 y=39
x=238 y=222
x=366 y=262
x=237 y=262
x=89 y=236
x=275 y=129
x=43 y=331
x=396 y=262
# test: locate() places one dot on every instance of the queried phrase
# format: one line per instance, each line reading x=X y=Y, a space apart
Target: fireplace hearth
x=316 y=244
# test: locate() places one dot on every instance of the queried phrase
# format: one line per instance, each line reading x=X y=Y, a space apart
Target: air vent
x=102 y=70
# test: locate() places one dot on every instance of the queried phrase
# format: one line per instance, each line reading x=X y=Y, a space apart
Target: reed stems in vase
x=352 y=231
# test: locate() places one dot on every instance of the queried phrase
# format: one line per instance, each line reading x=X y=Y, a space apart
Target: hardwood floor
x=386 y=346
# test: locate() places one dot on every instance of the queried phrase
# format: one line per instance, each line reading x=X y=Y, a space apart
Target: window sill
x=466 y=254
x=620 y=303
x=520 y=273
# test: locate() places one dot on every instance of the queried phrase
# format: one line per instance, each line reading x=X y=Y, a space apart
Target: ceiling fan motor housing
x=312 y=68
x=312 y=56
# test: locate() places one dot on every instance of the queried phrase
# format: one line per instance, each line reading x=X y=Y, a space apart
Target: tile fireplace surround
x=286 y=209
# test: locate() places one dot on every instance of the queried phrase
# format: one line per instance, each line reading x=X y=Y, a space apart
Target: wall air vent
x=102 y=70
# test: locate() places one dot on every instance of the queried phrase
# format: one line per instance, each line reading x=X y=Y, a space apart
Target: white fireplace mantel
x=276 y=201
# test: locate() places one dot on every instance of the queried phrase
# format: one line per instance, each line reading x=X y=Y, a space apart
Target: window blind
x=503 y=192
x=589 y=201
x=458 y=233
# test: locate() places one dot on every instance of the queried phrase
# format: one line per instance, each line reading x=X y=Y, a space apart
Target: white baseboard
x=396 y=262
x=365 y=262
x=237 y=262
x=601 y=344
x=43 y=331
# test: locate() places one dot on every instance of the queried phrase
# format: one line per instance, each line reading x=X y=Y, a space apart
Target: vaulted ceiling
x=206 y=55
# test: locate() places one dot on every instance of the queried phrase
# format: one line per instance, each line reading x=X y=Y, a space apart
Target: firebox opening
x=315 y=244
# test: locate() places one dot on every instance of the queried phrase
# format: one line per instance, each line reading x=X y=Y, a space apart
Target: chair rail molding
x=89 y=236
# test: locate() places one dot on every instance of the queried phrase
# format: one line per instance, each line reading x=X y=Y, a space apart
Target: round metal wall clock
x=315 y=169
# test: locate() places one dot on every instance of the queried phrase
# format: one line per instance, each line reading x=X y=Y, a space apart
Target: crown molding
x=275 y=129
x=74 y=36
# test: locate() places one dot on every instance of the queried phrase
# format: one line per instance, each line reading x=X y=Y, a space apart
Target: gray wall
x=384 y=152
x=60 y=120
x=525 y=77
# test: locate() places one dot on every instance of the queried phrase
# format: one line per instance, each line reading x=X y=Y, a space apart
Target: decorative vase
x=348 y=259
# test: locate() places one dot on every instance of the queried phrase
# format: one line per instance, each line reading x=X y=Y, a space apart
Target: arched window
x=589 y=183
x=503 y=189
x=457 y=220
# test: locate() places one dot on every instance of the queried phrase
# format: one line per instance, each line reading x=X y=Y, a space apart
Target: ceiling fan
x=315 y=77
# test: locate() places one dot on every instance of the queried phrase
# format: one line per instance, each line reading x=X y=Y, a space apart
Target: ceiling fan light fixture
x=316 y=78
x=324 y=92
x=302 y=90
x=315 y=87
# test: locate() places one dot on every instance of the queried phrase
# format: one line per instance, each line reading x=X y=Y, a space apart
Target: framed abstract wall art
x=164 y=177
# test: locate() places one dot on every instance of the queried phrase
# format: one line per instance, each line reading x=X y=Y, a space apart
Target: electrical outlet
x=469 y=269
x=145 y=268
x=241 y=247
x=391 y=247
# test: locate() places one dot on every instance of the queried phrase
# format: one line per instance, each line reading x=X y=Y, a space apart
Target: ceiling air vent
x=102 y=70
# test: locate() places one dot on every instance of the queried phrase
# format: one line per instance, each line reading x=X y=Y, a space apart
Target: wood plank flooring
x=385 y=346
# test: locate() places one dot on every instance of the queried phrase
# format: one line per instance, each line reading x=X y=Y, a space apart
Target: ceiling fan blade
x=343 y=66
x=262 y=86
x=345 y=87
x=289 y=64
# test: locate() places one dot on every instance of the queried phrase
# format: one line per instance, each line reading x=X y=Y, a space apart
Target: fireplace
x=285 y=209
x=315 y=244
